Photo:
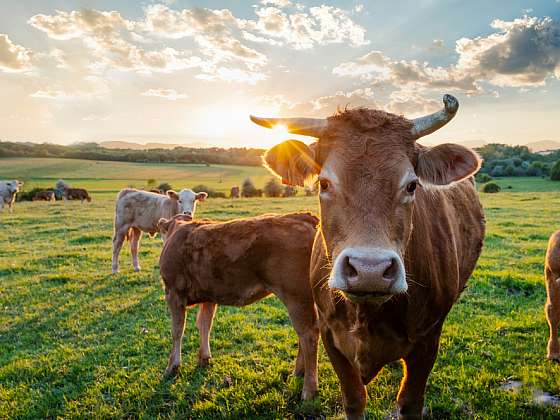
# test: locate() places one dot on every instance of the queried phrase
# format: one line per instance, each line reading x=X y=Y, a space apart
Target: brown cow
x=76 y=194
x=401 y=231
x=234 y=192
x=47 y=195
x=552 y=307
x=157 y=191
x=237 y=263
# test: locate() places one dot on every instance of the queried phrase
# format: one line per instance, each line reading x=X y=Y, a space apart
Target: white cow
x=139 y=211
x=8 y=191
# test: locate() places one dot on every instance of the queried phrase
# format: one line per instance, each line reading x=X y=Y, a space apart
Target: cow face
x=369 y=171
x=14 y=186
x=187 y=200
x=167 y=226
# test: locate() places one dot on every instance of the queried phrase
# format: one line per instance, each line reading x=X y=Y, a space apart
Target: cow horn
x=313 y=127
x=430 y=123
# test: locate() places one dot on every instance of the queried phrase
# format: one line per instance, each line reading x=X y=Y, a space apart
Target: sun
x=280 y=130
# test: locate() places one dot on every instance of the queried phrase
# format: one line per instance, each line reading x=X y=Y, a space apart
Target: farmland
x=76 y=341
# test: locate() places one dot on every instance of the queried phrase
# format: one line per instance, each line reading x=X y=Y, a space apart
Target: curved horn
x=430 y=123
x=313 y=127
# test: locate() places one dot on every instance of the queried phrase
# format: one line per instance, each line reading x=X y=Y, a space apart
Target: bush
x=498 y=171
x=248 y=188
x=151 y=182
x=212 y=193
x=510 y=170
x=273 y=188
x=28 y=195
x=164 y=187
x=491 y=187
x=483 y=178
x=555 y=172
x=289 y=191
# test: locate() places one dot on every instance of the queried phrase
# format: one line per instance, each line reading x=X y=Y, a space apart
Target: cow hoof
x=554 y=356
x=170 y=372
x=308 y=395
x=137 y=269
x=204 y=361
x=115 y=271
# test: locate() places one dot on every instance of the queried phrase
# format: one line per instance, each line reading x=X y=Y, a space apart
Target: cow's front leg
x=354 y=394
x=552 y=311
x=177 y=310
x=419 y=363
x=204 y=320
x=118 y=241
x=135 y=235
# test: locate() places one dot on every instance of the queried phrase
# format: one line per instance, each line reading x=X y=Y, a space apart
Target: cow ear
x=201 y=196
x=172 y=194
x=446 y=164
x=163 y=225
x=293 y=161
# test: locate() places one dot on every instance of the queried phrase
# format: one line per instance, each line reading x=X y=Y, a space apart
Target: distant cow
x=8 y=191
x=234 y=193
x=47 y=195
x=552 y=307
x=157 y=191
x=77 y=194
x=139 y=211
x=237 y=263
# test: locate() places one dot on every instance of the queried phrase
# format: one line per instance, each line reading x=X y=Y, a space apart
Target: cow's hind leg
x=204 y=320
x=135 y=235
x=418 y=365
x=552 y=311
x=177 y=310
x=118 y=240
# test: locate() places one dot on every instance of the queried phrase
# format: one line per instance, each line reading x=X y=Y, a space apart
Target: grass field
x=76 y=341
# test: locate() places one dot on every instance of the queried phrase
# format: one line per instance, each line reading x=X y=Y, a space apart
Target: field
x=76 y=341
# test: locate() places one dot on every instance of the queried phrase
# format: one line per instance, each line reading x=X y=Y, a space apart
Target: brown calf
x=77 y=194
x=44 y=196
x=552 y=307
x=237 y=263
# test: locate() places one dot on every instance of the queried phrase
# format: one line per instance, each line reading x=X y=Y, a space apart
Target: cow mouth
x=368 y=297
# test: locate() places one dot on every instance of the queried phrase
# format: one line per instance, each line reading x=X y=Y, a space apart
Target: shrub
x=289 y=191
x=491 y=187
x=164 y=187
x=555 y=172
x=248 y=188
x=483 y=178
x=28 y=195
x=151 y=182
x=212 y=193
x=273 y=188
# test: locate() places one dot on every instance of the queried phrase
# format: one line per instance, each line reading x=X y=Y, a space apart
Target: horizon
x=189 y=72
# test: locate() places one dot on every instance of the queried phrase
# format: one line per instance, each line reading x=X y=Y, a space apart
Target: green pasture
x=78 y=342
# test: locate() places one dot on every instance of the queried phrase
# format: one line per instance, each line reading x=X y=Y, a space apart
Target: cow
x=138 y=211
x=76 y=194
x=234 y=192
x=157 y=191
x=237 y=263
x=47 y=195
x=8 y=191
x=552 y=307
x=401 y=231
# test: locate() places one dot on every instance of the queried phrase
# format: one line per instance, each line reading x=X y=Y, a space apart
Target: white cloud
x=50 y=94
x=279 y=3
x=169 y=94
x=13 y=57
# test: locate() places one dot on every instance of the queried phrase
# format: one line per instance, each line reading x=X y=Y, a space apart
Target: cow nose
x=188 y=213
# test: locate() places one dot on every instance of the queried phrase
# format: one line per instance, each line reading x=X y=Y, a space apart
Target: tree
x=151 y=182
x=212 y=193
x=555 y=172
x=273 y=188
x=248 y=188
x=491 y=187
x=289 y=191
x=510 y=170
x=164 y=187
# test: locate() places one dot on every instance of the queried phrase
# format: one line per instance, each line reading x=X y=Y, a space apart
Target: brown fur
x=234 y=192
x=77 y=194
x=438 y=236
x=44 y=196
x=237 y=263
x=552 y=307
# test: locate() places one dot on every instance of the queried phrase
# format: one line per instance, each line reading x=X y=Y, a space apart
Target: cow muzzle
x=368 y=274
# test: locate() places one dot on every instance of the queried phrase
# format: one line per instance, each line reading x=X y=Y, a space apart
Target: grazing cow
x=552 y=307
x=8 y=191
x=47 y=195
x=237 y=263
x=139 y=211
x=401 y=230
x=76 y=194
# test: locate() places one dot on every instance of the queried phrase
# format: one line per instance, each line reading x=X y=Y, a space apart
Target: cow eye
x=324 y=185
x=411 y=187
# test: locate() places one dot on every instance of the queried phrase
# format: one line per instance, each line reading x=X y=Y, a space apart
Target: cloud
x=524 y=52
x=169 y=94
x=279 y=3
x=50 y=94
x=13 y=57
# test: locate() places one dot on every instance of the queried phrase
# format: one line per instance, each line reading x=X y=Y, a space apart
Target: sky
x=191 y=72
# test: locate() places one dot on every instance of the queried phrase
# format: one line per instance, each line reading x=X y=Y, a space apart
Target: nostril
x=348 y=270
x=390 y=272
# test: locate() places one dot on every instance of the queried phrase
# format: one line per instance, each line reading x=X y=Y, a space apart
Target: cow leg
x=118 y=240
x=552 y=311
x=135 y=235
x=418 y=365
x=304 y=319
x=354 y=396
x=204 y=320
x=177 y=330
x=300 y=362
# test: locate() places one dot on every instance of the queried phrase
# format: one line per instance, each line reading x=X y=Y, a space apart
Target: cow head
x=167 y=226
x=14 y=186
x=369 y=168
x=187 y=200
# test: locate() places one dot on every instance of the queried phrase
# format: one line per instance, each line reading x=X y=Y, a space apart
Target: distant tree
x=520 y=172
x=555 y=172
x=151 y=182
x=497 y=171
x=491 y=187
x=483 y=178
x=164 y=187
x=273 y=188
x=248 y=188
x=289 y=191
x=510 y=170
x=212 y=193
